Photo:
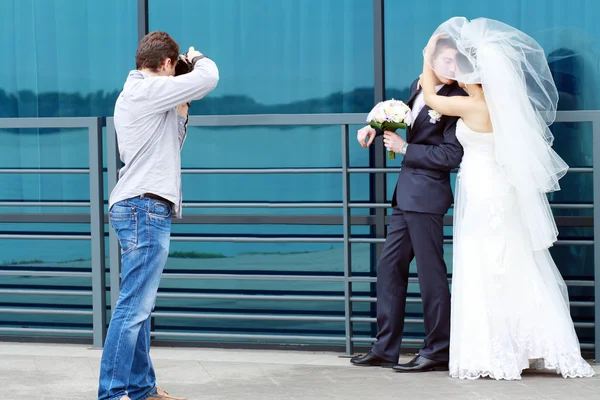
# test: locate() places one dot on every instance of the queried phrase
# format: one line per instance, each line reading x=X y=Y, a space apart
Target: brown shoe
x=164 y=395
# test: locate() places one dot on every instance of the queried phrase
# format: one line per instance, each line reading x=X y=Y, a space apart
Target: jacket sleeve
x=166 y=92
x=445 y=156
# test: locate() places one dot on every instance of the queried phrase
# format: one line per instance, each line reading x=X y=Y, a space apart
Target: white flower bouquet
x=390 y=115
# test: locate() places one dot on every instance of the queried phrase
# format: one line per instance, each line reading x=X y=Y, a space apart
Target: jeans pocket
x=160 y=209
x=124 y=221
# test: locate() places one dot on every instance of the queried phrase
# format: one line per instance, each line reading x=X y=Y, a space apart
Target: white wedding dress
x=509 y=304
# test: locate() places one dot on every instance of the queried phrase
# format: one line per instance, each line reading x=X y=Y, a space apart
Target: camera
x=183 y=66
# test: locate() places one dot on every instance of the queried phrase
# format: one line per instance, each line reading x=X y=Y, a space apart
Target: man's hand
x=366 y=136
x=191 y=54
x=393 y=141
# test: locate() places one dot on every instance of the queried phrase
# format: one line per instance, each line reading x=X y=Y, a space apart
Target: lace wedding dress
x=509 y=303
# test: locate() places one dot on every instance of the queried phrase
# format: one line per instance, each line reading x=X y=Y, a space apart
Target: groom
x=421 y=198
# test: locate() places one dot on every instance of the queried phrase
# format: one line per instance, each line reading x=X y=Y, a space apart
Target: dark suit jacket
x=433 y=151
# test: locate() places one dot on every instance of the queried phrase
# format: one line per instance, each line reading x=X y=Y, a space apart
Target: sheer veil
x=522 y=100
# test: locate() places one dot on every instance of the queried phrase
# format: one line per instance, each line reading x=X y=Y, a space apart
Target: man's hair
x=154 y=48
x=442 y=44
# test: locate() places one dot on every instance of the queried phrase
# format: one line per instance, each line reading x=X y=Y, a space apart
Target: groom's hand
x=366 y=136
x=393 y=141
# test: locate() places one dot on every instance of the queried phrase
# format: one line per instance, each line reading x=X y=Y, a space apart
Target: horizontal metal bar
x=579 y=283
x=328 y=278
x=54 y=274
x=364 y=299
x=571 y=206
x=45 y=123
x=44 y=237
x=40 y=330
x=586 y=170
x=381 y=240
x=555 y=206
x=372 y=339
x=395 y=170
x=269 y=219
x=248 y=317
x=217 y=296
x=362 y=279
x=370 y=205
x=277 y=120
x=574 y=243
x=44 y=171
x=244 y=239
x=260 y=205
x=449 y=241
x=21 y=310
x=581 y=303
x=253 y=219
x=414 y=321
x=584 y=324
x=219 y=335
x=164 y=314
x=44 y=203
x=269 y=171
x=587 y=346
x=42 y=292
x=367 y=170
x=254 y=277
x=576 y=116
x=46 y=218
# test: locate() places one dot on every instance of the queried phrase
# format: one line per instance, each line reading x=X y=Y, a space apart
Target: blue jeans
x=143 y=227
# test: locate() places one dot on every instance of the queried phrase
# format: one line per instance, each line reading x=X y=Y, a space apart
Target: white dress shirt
x=419 y=102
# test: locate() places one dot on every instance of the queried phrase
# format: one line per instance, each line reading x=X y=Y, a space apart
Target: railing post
x=97 y=233
x=596 y=199
x=347 y=245
x=377 y=150
x=113 y=161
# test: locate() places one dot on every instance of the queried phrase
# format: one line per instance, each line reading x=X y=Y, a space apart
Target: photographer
x=150 y=120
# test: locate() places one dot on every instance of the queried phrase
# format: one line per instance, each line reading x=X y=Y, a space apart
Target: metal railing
x=95 y=236
x=346 y=220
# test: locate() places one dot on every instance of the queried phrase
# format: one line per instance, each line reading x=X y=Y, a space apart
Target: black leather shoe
x=422 y=364
x=371 y=360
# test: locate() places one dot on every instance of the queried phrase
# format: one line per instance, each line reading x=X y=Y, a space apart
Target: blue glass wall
x=64 y=58
x=70 y=58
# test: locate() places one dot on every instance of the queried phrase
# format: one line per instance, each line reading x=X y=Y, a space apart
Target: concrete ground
x=70 y=372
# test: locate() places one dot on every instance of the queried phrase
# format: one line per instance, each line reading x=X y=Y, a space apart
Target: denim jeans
x=143 y=226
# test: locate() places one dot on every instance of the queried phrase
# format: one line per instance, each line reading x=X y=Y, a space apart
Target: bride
x=510 y=307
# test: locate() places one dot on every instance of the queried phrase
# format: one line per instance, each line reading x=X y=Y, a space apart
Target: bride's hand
x=431 y=45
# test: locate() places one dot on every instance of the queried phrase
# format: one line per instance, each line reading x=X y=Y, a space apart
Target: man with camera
x=150 y=120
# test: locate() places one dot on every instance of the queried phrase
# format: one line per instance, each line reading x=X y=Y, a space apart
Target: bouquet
x=390 y=115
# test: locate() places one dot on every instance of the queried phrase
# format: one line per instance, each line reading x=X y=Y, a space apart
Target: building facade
x=285 y=212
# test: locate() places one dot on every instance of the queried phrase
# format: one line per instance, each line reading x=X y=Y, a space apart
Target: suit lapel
x=424 y=113
x=412 y=97
x=410 y=102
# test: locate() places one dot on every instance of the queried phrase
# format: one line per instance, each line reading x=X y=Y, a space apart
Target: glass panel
x=283 y=57
x=64 y=59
